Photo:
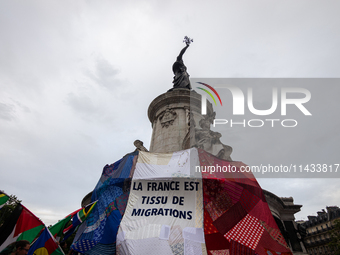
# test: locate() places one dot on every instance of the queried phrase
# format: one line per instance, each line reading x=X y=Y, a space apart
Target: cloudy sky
x=77 y=77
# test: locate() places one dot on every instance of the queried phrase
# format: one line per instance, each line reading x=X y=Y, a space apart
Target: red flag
x=22 y=225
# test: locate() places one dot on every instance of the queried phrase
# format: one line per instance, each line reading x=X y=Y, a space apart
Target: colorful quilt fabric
x=98 y=235
x=236 y=212
x=186 y=202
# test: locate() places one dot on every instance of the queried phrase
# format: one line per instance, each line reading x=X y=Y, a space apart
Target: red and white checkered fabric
x=247 y=232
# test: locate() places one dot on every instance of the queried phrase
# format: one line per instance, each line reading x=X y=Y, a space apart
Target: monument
x=177 y=122
x=203 y=217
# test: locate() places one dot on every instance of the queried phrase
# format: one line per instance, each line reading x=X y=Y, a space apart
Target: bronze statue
x=181 y=78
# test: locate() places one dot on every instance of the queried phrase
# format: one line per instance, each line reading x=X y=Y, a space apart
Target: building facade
x=318 y=230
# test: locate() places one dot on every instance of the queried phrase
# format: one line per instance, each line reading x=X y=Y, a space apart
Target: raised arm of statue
x=179 y=58
x=181 y=78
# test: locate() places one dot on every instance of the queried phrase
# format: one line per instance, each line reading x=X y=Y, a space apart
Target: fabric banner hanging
x=164 y=212
x=187 y=202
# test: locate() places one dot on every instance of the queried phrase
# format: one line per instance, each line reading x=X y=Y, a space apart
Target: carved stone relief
x=168 y=117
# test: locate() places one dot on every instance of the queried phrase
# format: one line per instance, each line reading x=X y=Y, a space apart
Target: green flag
x=57 y=229
x=3 y=199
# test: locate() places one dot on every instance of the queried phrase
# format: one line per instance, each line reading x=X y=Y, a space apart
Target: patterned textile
x=239 y=249
x=209 y=228
x=219 y=205
x=247 y=232
x=163 y=204
x=84 y=245
x=99 y=233
x=101 y=249
x=271 y=252
x=274 y=233
x=237 y=219
x=220 y=252
x=121 y=202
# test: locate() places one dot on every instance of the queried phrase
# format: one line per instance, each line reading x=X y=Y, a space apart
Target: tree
x=8 y=208
x=334 y=244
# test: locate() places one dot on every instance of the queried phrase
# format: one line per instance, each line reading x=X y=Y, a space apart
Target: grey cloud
x=6 y=111
x=104 y=74
x=81 y=104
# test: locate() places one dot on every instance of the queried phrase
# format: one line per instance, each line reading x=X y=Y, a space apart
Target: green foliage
x=335 y=237
x=8 y=208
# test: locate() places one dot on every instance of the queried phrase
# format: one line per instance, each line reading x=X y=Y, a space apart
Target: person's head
x=22 y=247
x=63 y=245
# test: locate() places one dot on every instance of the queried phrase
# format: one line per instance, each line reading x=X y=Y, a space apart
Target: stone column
x=170 y=115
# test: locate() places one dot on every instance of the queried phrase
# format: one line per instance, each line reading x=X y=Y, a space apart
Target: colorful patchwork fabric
x=102 y=224
x=274 y=233
x=121 y=202
x=209 y=228
x=236 y=208
x=239 y=249
x=159 y=204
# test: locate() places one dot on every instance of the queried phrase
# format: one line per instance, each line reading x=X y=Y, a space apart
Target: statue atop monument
x=181 y=78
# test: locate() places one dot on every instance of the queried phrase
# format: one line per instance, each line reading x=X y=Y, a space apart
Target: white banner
x=164 y=214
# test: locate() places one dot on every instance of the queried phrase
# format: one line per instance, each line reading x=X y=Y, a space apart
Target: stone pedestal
x=170 y=115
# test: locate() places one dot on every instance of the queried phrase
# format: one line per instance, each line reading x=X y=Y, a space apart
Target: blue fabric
x=84 y=245
x=106 y=174
x=111 y=228
x=105 y=218
x=102 y=249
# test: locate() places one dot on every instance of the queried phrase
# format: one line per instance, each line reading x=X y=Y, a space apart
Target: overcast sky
x=77 y=77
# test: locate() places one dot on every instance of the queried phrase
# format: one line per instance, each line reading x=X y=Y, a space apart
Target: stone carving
x=139 y=146
x=168 y=117
x=209 y=140
x=181 y=78
x=187 y=115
